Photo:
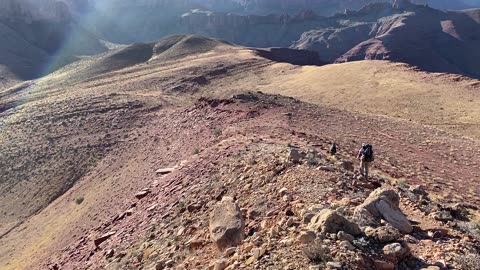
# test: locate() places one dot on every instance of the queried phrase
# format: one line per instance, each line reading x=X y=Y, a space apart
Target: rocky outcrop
x=226 y=224
x=384 y=204
x=329 y=221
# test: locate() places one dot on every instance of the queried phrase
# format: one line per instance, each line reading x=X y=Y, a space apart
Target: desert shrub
x=468 y=262
x=196 y=151
x=471 y=228
x=79 y=200
x=217 y=132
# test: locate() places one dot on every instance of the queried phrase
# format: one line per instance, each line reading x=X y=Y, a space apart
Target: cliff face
x=31 y=10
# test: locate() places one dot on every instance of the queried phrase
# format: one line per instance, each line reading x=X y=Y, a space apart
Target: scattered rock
x=230 y=251
x=383 y=234
x=346 y=165
x=316 y=251
x=220 y=264
x=109 y=253
x=443 y=215
x=432 y=267
x=226 y=224
x=306 y=237
x=384 y=204
x=341 y=235
x=347 y=245
x=160 y=265
x=164 y=171
x=103 y=238
x=194 y=207
x=396 y=252
x=283 y=191
x=334 y=265
x=383 y=265
x=328 y=221
x=258 y=252
x=295 y=156
x=142 y=194
x=418 y=190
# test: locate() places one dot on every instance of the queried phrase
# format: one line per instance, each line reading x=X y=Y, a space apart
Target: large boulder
x=226 y=224
x=329 y=221
x=384 y=204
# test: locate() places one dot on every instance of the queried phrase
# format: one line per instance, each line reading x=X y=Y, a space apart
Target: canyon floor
x=79 y=145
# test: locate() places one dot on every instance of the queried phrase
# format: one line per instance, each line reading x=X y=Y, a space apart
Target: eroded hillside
x=79 y=147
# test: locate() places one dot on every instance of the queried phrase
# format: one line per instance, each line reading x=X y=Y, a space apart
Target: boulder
x=226 y=224
x=329 y=221
x=384 y=204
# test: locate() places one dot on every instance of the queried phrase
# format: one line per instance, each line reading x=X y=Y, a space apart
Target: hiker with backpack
x=365 y=154
x=333 y=149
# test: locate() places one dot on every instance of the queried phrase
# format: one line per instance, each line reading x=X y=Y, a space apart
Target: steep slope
x=238 y=147
x=100 y=137
x=432 y=40
x=40 y=37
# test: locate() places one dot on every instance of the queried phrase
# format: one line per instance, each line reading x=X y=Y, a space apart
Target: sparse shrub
x=79 y=200
x=468 y=262
x=196 y=151
x=312 y=160
x=471 y=228
x=217 y=132
x=402 y=184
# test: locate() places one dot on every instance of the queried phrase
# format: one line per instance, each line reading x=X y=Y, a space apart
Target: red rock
x=103 y=238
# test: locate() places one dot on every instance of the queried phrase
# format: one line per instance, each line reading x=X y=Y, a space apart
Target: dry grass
x=447 y=101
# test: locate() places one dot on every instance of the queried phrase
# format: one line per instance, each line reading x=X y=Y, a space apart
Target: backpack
x=368 y=153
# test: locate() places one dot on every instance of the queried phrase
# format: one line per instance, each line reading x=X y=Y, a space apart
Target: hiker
x=365 y=154
x=333 y=149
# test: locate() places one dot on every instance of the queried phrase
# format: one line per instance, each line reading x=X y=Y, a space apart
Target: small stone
x=383 y=265
x=169 y=263
x=103 y=238
x=306 y=237
x=250 y=260
x=290 y=222
x=142 y=194
x=283 y=191
x=194 y=207
x=109 y=253
x=347 y=245
x=258 y=252
x=431 y=268
x=289 y=213
x=334 y=265
x=341 y=235
x=395 y=252
x=230 y=251
x=221 y=264
x=307 y=217
x=164 y=171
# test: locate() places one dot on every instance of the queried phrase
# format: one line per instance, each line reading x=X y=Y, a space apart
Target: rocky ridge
x=288 y=206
